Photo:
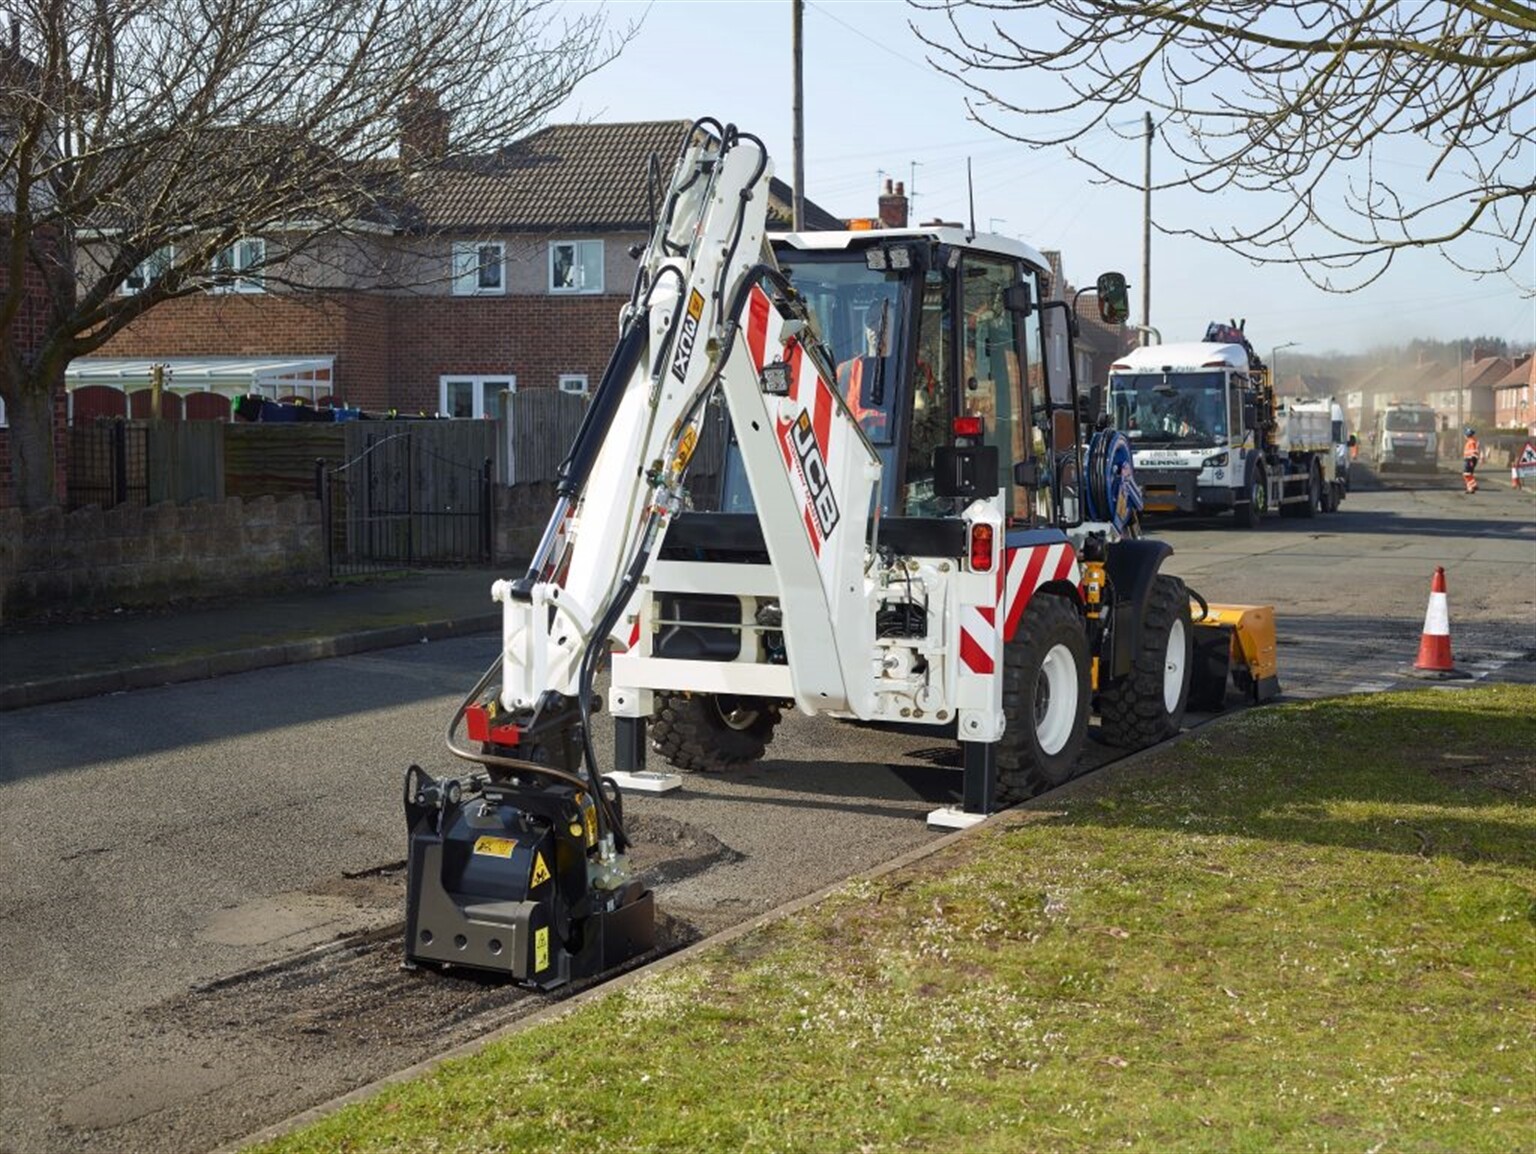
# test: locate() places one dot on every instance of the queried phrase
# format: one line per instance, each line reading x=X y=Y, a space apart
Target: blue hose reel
x=1113 y=494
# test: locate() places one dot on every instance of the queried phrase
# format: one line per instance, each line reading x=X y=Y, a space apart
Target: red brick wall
x=535 y=337
x=352 y=327
x=390 y=351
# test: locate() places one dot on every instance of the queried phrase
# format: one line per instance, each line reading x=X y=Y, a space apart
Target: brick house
x=505 y=272
x=25 y=332
x=1514 y=397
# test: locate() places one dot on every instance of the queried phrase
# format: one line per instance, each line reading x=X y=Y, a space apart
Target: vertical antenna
x=798 y=203
x=970 y=189
x=1146 y=240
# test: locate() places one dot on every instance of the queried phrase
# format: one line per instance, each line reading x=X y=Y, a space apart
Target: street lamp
x=1274 y=371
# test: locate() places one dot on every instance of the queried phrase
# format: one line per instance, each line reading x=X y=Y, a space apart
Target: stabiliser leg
x=977 y=788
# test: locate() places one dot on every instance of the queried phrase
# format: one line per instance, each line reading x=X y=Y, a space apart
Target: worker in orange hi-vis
x=1471 y=454
x=857 y=378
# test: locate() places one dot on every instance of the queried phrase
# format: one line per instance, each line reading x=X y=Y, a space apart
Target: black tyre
x=706 y=732
x=1333 y=493
x=1045 y=700
x=1250 y=513
x=1314 y=493
x=1147 y=705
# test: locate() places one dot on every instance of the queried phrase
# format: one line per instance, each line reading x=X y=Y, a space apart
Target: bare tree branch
x=1308 y=105
x=132 y=128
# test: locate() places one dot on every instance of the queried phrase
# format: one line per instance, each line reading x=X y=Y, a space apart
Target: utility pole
x=1146 y=237
x=798 y=207
x=913 y=166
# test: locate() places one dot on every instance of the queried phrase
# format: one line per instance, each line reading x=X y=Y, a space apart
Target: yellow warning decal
x=541 y=949
x=540 y=871
x=495 y=846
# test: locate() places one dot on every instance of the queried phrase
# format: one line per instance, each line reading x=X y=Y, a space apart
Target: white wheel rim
x=1173 y=667
x=1056 y=700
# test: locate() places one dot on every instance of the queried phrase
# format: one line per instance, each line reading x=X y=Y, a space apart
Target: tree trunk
x=29 y=413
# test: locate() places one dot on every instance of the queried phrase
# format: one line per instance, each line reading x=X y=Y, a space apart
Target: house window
x=2 y=412
x=576 y=266
x=149 y=270
x=475 y=398
x=247 y=256
x=574 y=383
x=479 y=269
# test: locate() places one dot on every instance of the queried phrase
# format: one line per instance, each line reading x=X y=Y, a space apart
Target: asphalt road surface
x=203 y=882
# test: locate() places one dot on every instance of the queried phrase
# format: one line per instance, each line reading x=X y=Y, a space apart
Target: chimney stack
x=423 y=128
x=893 y=206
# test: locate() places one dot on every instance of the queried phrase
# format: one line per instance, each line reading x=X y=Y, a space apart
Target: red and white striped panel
x=978 y=638
x=1028 y=568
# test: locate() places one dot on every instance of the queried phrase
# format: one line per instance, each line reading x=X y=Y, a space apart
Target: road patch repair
x=1304 y=926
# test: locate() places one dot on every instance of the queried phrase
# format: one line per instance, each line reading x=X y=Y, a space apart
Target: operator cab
x=932 y=350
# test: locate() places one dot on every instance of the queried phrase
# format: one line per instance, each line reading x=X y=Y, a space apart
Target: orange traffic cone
x=1434 y=658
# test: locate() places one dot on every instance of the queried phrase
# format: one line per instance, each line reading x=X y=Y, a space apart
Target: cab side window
x=991 y=386
x=932 y=399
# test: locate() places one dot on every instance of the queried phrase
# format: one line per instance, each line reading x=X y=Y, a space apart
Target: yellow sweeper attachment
x=1235 y=639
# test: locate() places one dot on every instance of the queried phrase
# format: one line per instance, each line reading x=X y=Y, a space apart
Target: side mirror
x=1026 y=474
x=1016 y=299
x=1090 y=405
x=1114 y=302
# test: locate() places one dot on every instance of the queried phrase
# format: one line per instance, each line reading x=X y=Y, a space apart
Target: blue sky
x=874 y=110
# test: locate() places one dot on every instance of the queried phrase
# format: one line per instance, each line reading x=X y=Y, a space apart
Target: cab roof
x=987 y=242
x=1182 y=358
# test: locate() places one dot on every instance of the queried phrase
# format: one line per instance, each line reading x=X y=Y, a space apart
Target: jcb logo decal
x=688 y=334
x=813 y=467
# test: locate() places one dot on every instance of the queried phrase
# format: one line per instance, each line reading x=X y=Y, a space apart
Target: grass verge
x=1309 y=927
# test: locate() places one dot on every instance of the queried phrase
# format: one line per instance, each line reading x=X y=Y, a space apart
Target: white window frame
x=246 y=253
x=477 y=383
x=148 y=269
x=470 y=267
x=582 y=280
x=574 y=383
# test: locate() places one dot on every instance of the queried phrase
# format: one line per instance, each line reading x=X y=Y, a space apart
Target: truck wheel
x=1147 y=705
x=707 y=732
x=1251 y=512
x=1045 y=700
x=1314 y=493
x=1333 y=493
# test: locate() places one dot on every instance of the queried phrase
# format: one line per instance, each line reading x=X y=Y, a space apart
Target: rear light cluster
x=970 y=428
x=982 y=539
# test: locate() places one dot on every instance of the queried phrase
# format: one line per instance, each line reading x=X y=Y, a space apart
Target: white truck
x=1407 y=437
x=1209 y=435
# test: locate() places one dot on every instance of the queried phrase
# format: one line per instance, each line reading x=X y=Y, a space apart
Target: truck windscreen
x=1170 y=409
x=1410 y=421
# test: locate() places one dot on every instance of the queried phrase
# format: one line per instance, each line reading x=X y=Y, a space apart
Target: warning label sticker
x=540 y=873
x=541 y=949
x=495 y=846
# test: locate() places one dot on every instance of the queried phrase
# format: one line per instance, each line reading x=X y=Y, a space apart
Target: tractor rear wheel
x=1147 y=705
x=708 y=732
x=1045 y=700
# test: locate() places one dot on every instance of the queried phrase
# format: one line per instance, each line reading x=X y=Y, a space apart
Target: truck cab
x=1187 y=411
x=1407 y=437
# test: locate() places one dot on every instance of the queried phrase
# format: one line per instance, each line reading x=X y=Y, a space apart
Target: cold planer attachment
x=1235 y=639
x=512 y=877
